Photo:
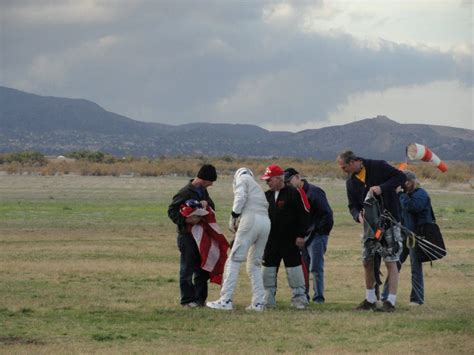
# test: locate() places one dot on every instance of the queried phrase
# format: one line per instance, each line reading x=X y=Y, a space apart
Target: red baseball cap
x=271 y=171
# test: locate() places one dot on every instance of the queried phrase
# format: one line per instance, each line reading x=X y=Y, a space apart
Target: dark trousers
x=274 y=252
x=192 y=279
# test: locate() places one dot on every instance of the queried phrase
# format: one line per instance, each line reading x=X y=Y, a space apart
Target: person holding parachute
x=371 y=194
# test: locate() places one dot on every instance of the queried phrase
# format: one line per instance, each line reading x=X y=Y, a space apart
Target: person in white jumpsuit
x=250 y=221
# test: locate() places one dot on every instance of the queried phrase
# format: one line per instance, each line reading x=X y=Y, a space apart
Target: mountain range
x=54 y=125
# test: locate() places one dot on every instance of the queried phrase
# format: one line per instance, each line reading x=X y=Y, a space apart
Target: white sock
x=370 y=295
x=392 y=299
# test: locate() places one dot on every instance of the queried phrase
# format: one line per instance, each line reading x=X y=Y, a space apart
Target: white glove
x=234 y=223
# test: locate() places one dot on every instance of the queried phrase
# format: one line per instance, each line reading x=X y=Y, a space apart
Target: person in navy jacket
x=416 y=211
x=317 y=235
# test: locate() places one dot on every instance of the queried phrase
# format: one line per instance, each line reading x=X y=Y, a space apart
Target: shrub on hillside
x=25 y=158
x=92 y=156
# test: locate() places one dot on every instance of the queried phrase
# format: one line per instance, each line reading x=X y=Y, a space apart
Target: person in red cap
x=192 y=278
x=289 y=215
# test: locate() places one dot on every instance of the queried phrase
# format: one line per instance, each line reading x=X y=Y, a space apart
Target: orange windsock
x=417 y=151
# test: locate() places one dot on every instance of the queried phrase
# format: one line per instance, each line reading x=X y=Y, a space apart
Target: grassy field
x=90 y=264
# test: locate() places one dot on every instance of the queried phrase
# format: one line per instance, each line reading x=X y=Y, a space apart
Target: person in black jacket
x=380 y=179
x=289 y=217
x=193 y=291
x=316 y=239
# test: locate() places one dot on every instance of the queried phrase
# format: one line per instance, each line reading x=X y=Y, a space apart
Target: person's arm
x=355 y=207
x=301 y=206
x=416 y=202
x=173 y=209
x=240 y=195
x=240 y=198
x=391 y=176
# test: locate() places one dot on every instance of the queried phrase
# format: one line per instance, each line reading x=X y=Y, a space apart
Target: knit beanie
x=207 y=172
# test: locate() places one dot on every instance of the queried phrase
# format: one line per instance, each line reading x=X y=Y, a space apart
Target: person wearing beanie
x=193 y=280
x=317 y=235
x=416 y=210
x=207 y=172
x=379 y=180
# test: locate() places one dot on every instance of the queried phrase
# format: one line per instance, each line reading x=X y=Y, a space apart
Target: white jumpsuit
x=251 y=236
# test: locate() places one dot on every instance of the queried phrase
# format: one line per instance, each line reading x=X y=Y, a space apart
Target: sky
x=282 y=65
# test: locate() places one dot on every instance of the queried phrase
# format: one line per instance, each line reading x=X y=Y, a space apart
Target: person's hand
x=193 y=220
x=300 y=242
x=203 y=203
x=398 y=189
x=376 y=190
x=360 y=218
x=233 y=224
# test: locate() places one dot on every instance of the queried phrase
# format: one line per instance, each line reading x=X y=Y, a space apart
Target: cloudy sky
x=283 y=65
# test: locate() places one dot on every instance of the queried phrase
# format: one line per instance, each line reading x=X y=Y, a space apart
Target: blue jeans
x=313 y=255
x=417 y=294
x=192 y=289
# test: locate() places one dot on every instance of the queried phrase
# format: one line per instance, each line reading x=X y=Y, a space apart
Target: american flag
x=212 y=244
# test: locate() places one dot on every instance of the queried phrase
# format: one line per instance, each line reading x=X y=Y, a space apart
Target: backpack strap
x=432 y=214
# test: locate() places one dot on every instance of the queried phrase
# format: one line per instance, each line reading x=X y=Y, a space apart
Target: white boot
x=296 y=282
x=259 y=307
x=223 y=305
x=270 y=284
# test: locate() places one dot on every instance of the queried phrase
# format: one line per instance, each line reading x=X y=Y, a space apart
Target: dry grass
x=71 y=282
x=315 y=169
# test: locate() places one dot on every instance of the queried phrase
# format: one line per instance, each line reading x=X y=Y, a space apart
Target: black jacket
x=321 y=213
x=378 y=172
x=188 y=192
x=288 y=215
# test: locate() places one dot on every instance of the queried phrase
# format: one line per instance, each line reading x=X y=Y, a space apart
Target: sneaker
x=414 y=304
x=387 y=307
x=190 y=305
x=366 y=306
x=224 y=305
x=318 y=301
x=259 y=307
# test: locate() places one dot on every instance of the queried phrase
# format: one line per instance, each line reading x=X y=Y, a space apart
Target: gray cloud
x=180 y=61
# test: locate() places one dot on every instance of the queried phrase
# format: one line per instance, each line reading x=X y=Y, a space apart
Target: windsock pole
x=417 y=151
x=404 y=165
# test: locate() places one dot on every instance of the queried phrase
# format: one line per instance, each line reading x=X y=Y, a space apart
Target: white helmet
x=243 y=171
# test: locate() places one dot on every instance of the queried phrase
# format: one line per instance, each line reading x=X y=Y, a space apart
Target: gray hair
x=412 y=177
x=347 y=156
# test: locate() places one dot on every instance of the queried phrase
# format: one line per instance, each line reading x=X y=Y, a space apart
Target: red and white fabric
x=212 y=245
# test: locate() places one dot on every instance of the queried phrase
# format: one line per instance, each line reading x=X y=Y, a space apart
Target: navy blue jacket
x=416 y=208
x=321 y=213
x=378 y=173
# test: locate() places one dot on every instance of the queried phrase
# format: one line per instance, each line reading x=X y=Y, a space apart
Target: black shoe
x=366 y=306
x=387 y=307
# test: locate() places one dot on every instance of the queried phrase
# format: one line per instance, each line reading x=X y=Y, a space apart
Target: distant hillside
x=55 y=125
